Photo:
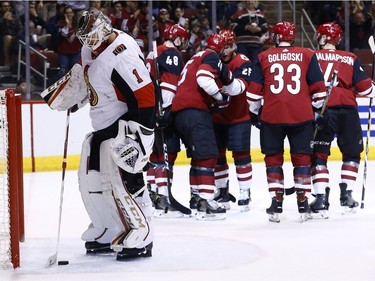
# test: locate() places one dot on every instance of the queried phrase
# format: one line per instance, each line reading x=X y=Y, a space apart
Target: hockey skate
x=152 y=194
x=244 y=200
x=163 y=208
x=320 y=205
x=224 y=197
x=303 y=206
x=134 y=253
x=346 y=200
x=193 y=203
x=94 y=247
x=275 y=209
x=210 y=210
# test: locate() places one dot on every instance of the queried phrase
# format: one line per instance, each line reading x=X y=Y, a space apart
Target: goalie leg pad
x=96 y=192
x=134 y=202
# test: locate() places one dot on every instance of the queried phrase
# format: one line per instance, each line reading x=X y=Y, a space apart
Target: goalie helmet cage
x=11 y=179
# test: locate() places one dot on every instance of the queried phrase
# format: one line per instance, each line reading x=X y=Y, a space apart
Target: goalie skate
x=94 y=247
x=135 y=253
x=163 y=208
x=210 y=210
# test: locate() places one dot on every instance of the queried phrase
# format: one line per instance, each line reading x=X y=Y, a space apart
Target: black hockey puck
x=63 y=262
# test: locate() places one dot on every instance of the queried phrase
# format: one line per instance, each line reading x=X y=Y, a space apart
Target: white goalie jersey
x=116 y=78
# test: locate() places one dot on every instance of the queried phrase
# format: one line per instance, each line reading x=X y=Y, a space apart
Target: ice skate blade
x=348 y=211
x=244 y=208
x=210 y=217
x=225 y=205
x=274 y=218
x=168 y=214
x=321 y=214
x=304 y=217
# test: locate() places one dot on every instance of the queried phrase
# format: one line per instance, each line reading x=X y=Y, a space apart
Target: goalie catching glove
x=132 y=147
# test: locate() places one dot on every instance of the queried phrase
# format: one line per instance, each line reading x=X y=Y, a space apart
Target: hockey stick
x=291 y=190
x=53 y=259
x=174 y=203
x=328 y=93
x=371 y=42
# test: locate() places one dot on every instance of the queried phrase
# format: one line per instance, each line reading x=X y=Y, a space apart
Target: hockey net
x=11 y=179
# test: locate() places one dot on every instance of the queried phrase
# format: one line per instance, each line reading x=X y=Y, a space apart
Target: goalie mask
x=93 y=28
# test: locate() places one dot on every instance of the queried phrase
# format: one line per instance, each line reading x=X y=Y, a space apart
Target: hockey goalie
x=114 y=80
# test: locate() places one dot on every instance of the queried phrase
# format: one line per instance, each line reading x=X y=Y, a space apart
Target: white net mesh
x=5 y=247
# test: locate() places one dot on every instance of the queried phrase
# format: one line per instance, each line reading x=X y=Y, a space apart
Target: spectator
x=205 y=26
x=9 y=28
x=249 y=26
x=163 y=22
x=196 y=37
x=116 y=16
x=360 y=30
x=38 y=21
x=52 y=26
x=69 y=46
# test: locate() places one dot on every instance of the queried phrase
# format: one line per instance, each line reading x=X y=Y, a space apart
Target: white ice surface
x=245 y=246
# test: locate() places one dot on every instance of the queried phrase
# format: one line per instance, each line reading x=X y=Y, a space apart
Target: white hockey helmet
x=93 y=28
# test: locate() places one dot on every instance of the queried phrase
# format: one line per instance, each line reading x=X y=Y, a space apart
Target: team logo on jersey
x=119 y=49
x=93 y=96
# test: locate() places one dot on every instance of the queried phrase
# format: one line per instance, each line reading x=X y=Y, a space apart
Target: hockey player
x=198 y=92
x=340 y=118
x=289 y=81
x=170 y=64
x=122 y=100
x=232 y=129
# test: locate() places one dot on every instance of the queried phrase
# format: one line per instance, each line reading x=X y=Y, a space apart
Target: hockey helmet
x=229 y=35
x=93 y=28
x=284 y=31
x=175 y=31
x=332 y=31
x=230 y=44
x=216 y=42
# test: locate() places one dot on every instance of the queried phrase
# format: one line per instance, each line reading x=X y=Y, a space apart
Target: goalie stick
x=53 y=259
x=371 y=42
x=174 y=203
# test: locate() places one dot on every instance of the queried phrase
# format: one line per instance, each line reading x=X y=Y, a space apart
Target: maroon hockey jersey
x=238 y=109
x=350 y=75
x=290 y=82
x=189 y=94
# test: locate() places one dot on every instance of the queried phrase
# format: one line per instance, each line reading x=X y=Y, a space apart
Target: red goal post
x=12 y=230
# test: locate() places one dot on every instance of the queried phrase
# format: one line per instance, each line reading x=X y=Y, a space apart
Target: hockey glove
x=225 y=75
x=219 y=106
x=255 y=119
x=165 y=119
x=321 y=122
x=132 y=147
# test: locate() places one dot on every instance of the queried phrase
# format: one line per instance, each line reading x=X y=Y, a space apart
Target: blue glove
x=321 y=122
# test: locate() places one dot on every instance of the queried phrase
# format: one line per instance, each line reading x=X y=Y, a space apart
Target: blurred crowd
x=52 y=24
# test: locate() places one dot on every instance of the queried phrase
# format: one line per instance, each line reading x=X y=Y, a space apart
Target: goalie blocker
x=70 y=90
